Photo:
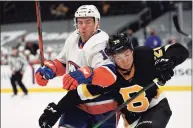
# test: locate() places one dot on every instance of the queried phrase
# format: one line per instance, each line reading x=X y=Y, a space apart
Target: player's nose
x=83 y=25
x=124 y=61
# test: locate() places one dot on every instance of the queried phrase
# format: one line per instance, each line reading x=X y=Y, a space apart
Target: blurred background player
x=133 y=39
x=136 y=68
x=83 y=58
x=50 y=54
x=153 y=40
x=17 y=64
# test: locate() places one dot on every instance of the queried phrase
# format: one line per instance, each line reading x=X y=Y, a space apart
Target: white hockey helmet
x=27 y=52
x=49 y=49
x=87 y=11
x=21 y=48
x=38 y=51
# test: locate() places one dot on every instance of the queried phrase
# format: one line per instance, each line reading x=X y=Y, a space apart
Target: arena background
x=19 y=28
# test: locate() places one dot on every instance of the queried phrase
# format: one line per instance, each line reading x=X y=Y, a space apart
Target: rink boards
x=180 y=82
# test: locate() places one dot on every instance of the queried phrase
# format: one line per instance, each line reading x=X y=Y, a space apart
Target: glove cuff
x=61 y=70
x=50 y=64
x=57 y=67
x=87 y=72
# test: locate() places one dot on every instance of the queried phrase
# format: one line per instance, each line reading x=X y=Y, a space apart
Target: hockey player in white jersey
x=84 y=60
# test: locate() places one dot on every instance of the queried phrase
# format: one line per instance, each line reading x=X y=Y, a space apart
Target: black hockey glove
x=164 y=69
x=50 y=116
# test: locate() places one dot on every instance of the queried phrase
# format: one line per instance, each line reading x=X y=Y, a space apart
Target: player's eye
x=116 y=57
x=127 y=53
x=80 y=23
x=88 y=22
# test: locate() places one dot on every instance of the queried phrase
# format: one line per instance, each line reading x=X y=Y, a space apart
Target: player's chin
x=85 y=36
x=126 y=67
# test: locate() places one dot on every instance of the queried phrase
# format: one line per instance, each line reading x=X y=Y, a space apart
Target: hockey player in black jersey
x=136 y=68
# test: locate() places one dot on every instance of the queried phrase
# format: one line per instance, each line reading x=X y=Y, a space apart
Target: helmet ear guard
x=118 y=43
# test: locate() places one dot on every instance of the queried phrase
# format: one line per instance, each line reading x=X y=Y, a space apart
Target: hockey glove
x=164 y=69
x=49 y=71
x=73 y=79
x=50 y=116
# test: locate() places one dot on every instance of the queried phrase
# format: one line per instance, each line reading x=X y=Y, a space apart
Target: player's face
x=124 y=59
x=86 y=26
x=14 y=52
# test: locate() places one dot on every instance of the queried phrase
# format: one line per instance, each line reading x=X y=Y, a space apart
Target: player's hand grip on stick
x=43 y=74
x=50 y=116
x=49 y=71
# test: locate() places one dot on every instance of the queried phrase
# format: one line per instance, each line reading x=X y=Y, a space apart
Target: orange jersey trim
x=101 y=107
x=103 y=76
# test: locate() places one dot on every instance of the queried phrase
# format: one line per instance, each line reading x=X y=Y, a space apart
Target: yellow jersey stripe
x=44 y=89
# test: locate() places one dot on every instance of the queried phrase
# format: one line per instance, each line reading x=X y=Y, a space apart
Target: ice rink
x=23 y=112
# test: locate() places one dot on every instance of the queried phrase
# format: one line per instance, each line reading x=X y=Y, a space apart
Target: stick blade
x=176 y=24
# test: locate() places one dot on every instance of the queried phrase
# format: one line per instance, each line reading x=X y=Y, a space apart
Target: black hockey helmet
x=118 y=43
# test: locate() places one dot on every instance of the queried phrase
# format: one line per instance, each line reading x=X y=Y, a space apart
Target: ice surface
x=23 y=112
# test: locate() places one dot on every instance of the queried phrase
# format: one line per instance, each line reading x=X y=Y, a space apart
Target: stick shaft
x=40 y=41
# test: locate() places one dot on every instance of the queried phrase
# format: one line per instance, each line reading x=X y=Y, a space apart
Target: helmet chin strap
x=94 y=32
x=127 y=71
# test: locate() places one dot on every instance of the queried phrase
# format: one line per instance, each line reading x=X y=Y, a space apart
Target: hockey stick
x=39 y=32
x=155 y=81
x=176 y=24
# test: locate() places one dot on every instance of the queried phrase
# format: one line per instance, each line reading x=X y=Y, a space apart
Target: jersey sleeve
x=89 y=91
x=86 y=93
x=177 y=52
x=65 y=103
x=62 y=56
x=78 y=96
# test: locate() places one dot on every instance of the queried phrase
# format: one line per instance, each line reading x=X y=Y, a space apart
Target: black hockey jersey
x=142 y=73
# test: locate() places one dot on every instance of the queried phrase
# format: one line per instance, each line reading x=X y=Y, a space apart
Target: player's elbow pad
x=58 y=68
x=103 y=76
